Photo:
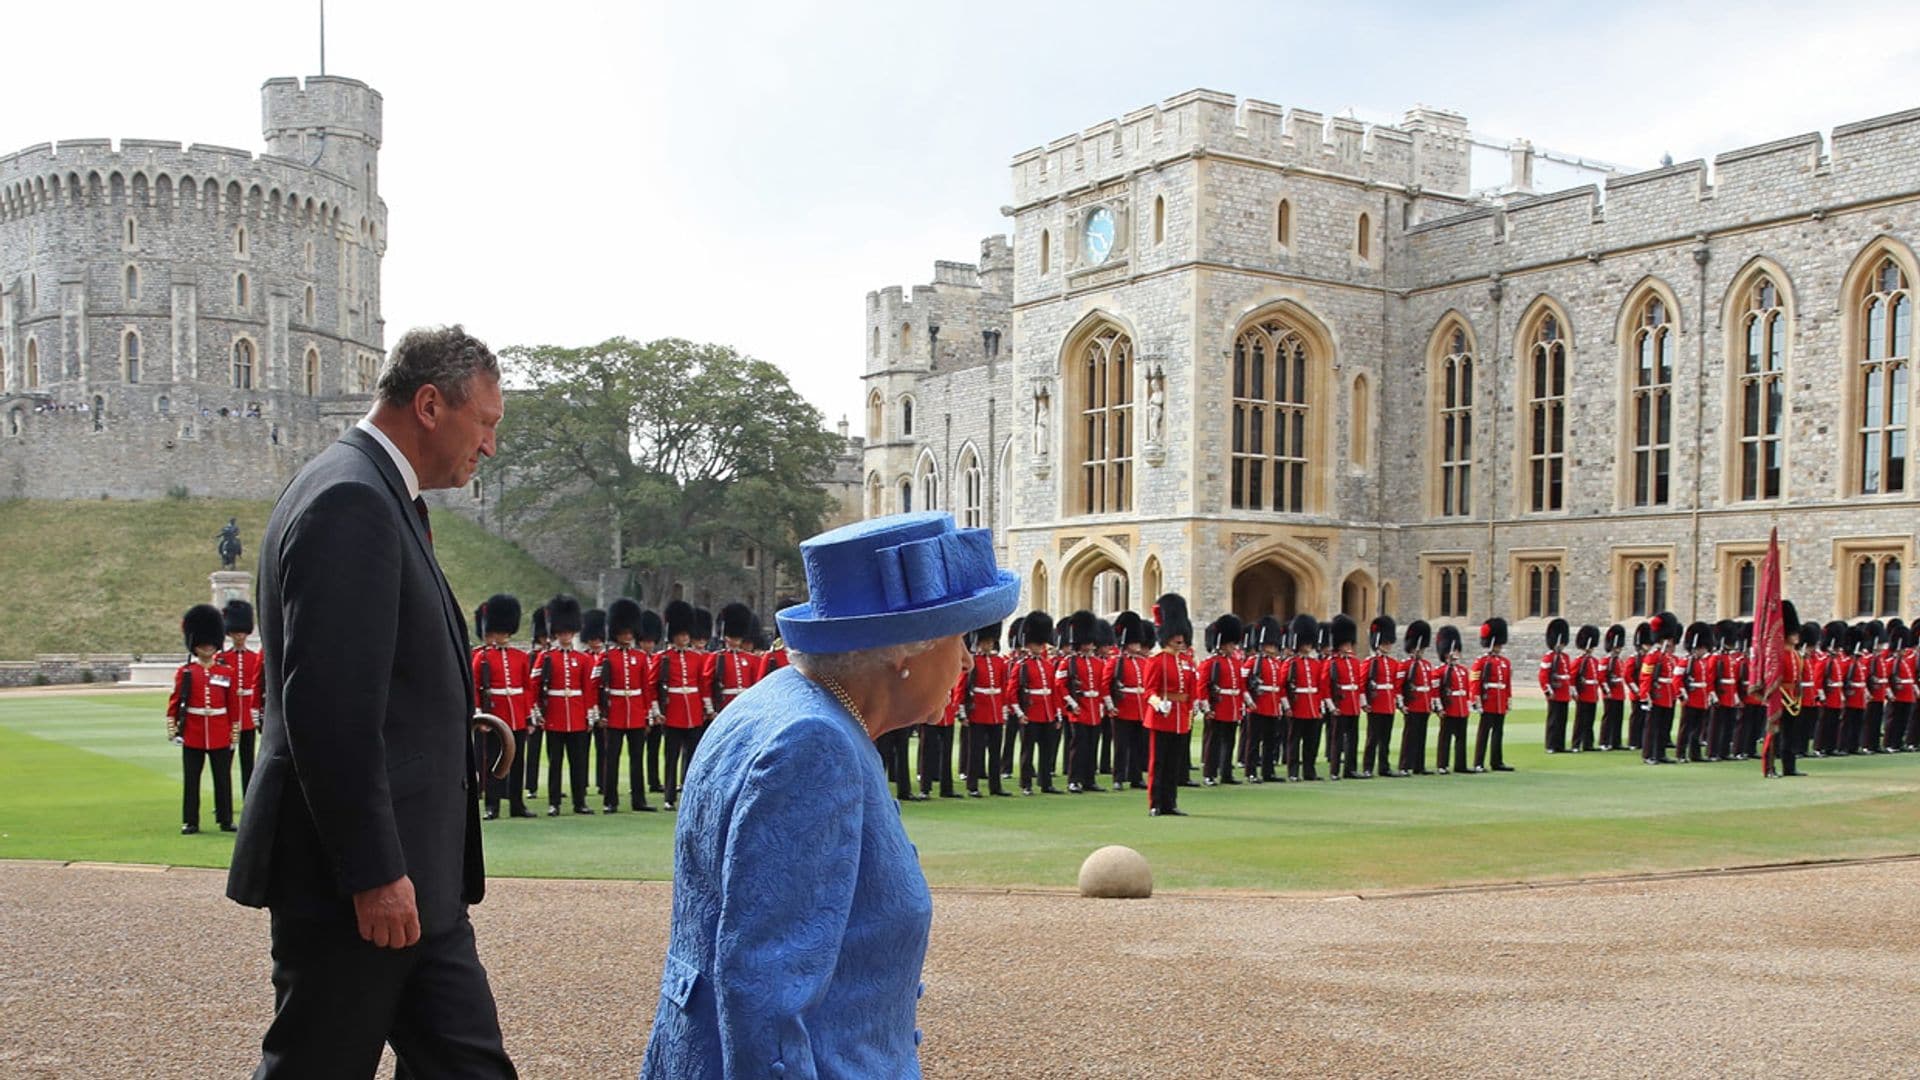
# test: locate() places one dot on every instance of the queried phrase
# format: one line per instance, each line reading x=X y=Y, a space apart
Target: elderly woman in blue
x=800 y=914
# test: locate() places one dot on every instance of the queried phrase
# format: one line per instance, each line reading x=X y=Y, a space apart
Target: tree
x=681 y=456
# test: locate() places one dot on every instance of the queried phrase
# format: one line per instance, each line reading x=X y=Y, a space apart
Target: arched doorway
x=1266 y=588
x=1356 y=597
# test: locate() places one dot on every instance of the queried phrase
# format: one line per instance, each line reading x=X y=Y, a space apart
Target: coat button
x=916 y=1036
x=778 y=1068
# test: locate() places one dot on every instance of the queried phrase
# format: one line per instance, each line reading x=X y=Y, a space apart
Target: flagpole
x=323 y=37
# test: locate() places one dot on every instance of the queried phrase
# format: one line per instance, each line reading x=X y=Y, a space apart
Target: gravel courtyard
x=1799 y=973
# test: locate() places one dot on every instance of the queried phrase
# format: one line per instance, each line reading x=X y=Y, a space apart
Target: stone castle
x=1280 y=362
x=191 y=318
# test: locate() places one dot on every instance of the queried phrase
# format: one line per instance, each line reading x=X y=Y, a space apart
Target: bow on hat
x=927 y=571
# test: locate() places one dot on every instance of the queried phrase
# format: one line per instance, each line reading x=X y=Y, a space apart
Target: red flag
x=1767 y=662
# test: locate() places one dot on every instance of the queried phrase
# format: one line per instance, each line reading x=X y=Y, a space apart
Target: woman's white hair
x=844 y=666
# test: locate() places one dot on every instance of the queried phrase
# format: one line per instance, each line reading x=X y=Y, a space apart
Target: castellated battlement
x=1780 y=180
x=960 y=318
x=1430 y=152
x=320 y=102
x=143 y=172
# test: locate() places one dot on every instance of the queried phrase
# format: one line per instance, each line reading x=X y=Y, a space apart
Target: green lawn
x=92 y=777
x=104 y=577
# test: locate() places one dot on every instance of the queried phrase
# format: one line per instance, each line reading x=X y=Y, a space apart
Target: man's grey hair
x=843 y=667
x=446 y=357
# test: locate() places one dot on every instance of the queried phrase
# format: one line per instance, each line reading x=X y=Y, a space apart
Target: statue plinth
x=230 y=585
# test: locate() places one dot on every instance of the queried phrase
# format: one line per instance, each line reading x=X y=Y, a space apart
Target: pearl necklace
x=846 y=701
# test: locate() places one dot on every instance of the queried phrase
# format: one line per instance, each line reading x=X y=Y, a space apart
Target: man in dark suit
x=361 y=833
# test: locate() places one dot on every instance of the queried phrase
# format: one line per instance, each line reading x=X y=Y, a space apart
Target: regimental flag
x=1767 y=660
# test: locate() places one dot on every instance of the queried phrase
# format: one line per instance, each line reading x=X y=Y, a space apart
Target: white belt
x=732 y=690
x=508 y=691
x=246 y=693
x=1348 y=686
x=683 y=689
x=563 y=693
x=1042 y=692
x=1133 y=690
x=1496 y=686
x=1089 y=693
x=625 y=693
x=206 y=712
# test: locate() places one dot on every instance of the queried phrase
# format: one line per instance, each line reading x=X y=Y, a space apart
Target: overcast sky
x=564 y=171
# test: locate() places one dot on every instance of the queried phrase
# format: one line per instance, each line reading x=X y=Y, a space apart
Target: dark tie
x=420 y=507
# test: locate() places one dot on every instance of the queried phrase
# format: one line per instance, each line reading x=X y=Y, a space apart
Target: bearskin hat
x=238 y=617
x=736 y=621
x=679 y=618
x=1586 y=637
x=1833 y=636
x=1304 y=633
x=542 y=626
x=1726 y=633
x=1226 y=630
x=1170 y=617
x=1077 y=629
x=1645 y=636
x=1037 y=629
x=1103 y=633
x=500 y=615
x=1324 y=636
x=1017 y=633
x=1789 y=619
x=702 y=624
x=1699 y=636
x=563 y=615
x=1269 y=631
x=202 y=625
x=623 y=617
x=593 y=625
x=988 y=633
x=1382 y=631
x=1557 y=633
x=1493 y=632
x=1345 y=631
x=1893 y=636
x=1615 y=638
x=1419 y=635
x=1131 y=629
x=1872 y=633
x=480 y=621
x=1447 y=641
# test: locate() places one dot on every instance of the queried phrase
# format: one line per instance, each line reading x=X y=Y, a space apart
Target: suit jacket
x=366 y=767
x=800 y=915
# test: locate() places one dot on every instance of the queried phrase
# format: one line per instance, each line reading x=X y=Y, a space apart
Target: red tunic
x=1343 y=685
x=1729 y=678
x=1084 y=687
x=1813 y=669
x=203 y=707
x=985 y=690
x=1857 y=681
x=1035 y=690
x=564 y=689
x=1306 y=681
x=1833 y=680
x=681 y=679
x=734 y=673
x=1880 y=676
x=1657 y=672
x=1127 y=688
x=1225 y=687
x=952 y=709
x=1906 y=671
x=1493 y=677
x=247 y=665
x=1266 y=679
x=1696 y=687
x=1623 y=677
x=1419 y=685
x=1589 y=678
x=626 y=683
x=1171 y=678
x=1456 y=691
x=1382 y=686
x=502 y=684
x=1556 y=677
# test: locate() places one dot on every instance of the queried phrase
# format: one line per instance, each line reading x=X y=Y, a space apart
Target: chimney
x=1521 y=154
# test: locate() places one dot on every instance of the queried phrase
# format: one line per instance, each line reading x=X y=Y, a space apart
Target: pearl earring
x=905 y=674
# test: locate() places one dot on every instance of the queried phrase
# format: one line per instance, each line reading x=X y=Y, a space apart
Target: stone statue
x=229 y=544
x=1042 y=406
x=1156 y=404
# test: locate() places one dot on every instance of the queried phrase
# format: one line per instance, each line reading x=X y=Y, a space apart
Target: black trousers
x=1083 y=759
x=656 y=736
x=1106 y=744
x=190 y=762
x=1263 y=750
x=1658 y=736
x=936 y=758
x=1786 y=741
x=897 y=756
x=1827 y=731
x=1899 y=724
x=247 y=737
x=1453 y=734
x=1376 y=758
x=1038 y=739
x=1722 y=728
x=1556 y=726
x=983 y=756
x=1870 y=729
x=1413 y=743
x=1753 y=727
x=1848 y=739
x=1305 y=744
x=1583 y=725
x=1491 y=735
x=337 y=1000
x=1163 y=780
x=1289 y=752
x=1123 y=733
x=1010 y=745
x=1218 y=745
x=1639 y=716
x=680 y=745
x=570 y=746
x=535 y=736
x=1343 y=750
x=633 y=741
x=1611 y=713
x=514 y=786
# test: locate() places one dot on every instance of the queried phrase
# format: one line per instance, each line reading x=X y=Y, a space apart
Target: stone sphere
x=1116 y=872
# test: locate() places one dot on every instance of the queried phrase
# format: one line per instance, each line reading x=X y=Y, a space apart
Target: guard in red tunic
x=246 y=665
x=1344 y=679
x=1620 y=672
x=203 y=717
x=1729 y=677
x=684 y=704
x=1835 y=662
x=629 y=704
x=1306 y=681
x=985 y=702
x=1380 y=686
x=1589 y=686
x=1223 y=693
x=542 y=643
x=1085 y=689
x=1266 y=674
x=1419 y=690
x=1455 y=690
x=1127 y=693
x=503 y=686
x=1172 y=686
x=1696 y=694
x=1037 y=703
x=735 y=670
x=1658 y=673
x=1906 y=670
x=1556 y=682
x=564 y=704
x=1879 y=686
x=1493 y=691
x=593 y=641
x=936 y=746
x=1107 y=649
x=1639 y=710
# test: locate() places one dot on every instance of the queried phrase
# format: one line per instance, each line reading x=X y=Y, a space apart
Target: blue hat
x=894 y=580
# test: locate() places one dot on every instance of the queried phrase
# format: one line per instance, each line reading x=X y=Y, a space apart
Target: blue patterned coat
x=800 y=914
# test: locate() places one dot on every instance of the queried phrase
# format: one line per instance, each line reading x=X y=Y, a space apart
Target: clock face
x=1098 y=235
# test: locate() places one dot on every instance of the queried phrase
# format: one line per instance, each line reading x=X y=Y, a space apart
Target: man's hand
x=387 y=915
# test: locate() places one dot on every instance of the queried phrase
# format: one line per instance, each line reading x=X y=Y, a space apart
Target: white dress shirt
x=399 y=459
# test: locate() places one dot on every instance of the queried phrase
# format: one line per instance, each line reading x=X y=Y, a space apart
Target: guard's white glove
x=1162 y=706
